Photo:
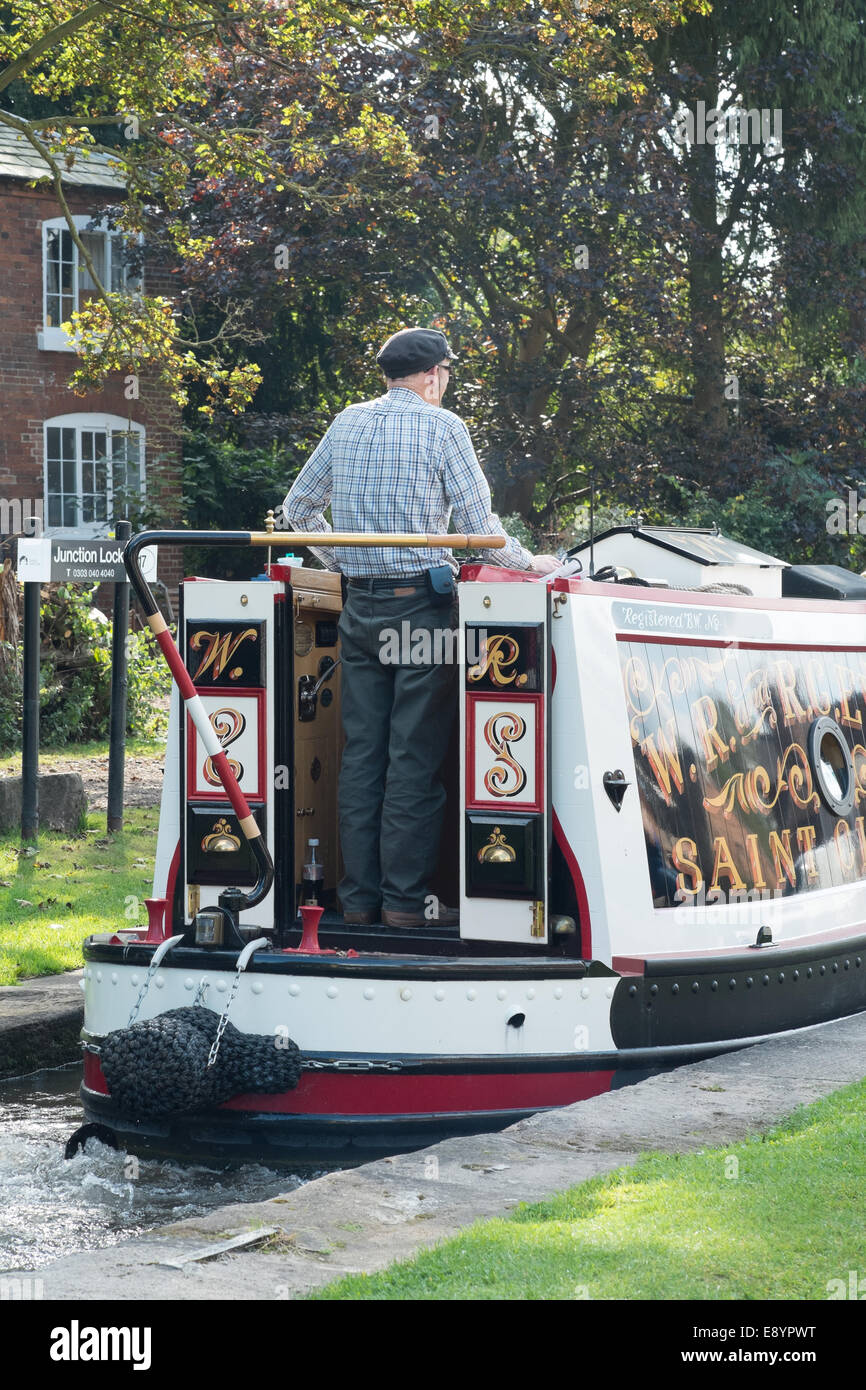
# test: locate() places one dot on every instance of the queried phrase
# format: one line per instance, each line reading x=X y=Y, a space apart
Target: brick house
x=79 y=462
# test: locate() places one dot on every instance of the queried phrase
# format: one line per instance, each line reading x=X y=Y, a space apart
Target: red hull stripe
x=93 y=1077
x=332 y=1094
x=328 y=1094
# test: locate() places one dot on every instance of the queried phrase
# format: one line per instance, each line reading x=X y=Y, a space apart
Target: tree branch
x=51 y=40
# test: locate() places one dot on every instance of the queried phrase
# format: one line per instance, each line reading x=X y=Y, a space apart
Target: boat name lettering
x=732 y=797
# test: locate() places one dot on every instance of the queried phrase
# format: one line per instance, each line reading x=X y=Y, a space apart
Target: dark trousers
x=397 y=717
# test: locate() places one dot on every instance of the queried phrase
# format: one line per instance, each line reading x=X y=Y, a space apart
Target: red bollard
x=155 y=920
x=310 y=917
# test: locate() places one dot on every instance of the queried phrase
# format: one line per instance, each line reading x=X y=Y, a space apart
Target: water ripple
x=50 y=1206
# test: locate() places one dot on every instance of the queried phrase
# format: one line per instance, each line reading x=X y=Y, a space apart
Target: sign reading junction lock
x=77 y=560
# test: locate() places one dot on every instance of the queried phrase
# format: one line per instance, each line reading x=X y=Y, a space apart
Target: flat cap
x=412 y=350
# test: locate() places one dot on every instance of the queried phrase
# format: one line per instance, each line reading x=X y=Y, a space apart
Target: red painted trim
x=333 y=1093
x=217 y=793
x=506 y=703
x=587 y=588
x=477 y=573
x=170 y=884
x=282 y=574
x=93 y=1076
x=323 y=1093
x=579 y=888
x=781 y=646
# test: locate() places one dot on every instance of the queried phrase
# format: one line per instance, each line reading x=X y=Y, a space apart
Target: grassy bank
x=778 y=1217
x=72 y=886
x=10 y=763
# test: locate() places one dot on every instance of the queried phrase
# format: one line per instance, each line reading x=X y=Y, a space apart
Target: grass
x=72 y=886
x=780 y=1222
x=10 y=763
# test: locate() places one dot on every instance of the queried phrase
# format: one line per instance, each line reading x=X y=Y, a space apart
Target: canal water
x=50 y=1206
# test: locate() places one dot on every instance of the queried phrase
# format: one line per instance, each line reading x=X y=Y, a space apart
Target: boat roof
x=19 y=160
x=704 y=544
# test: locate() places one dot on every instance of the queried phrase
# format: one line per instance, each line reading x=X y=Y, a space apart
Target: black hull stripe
x=361 y=967
x=754 y=959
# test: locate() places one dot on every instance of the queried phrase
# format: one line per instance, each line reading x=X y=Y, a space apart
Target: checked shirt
x=396 y=463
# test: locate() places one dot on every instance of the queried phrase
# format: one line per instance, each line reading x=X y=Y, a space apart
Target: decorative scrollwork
x=228 y=725
x=498 y=652
x=749 y=789
x=506 y=777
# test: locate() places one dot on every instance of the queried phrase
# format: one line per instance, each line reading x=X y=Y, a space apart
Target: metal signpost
x=74 y=560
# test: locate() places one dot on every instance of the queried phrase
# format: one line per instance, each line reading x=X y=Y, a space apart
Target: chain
x=221 y=1027
x=203 y=985
x=349 y=1064
x=155 y=962
x=152 y=969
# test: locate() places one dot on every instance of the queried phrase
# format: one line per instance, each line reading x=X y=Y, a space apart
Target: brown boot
x=361 y=919
x=446 y=917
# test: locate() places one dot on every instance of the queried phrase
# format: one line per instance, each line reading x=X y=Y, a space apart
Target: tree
x=527 y=220
x=149 y=70
x=767 y=105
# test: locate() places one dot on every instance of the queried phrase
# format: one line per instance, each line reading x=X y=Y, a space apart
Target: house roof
x=705 y=545
x=19 y=160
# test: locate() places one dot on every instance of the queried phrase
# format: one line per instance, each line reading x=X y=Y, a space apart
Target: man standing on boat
x=399 y=463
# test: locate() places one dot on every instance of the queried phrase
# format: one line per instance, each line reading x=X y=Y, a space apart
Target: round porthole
x=832 y=765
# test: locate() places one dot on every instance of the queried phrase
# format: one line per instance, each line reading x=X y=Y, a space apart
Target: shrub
x=75 y=677
x=231 y=486
x=10 y=696
x=782 y=512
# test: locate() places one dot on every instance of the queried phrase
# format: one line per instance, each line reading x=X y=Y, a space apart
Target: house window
x=94 y=471
x=67 y=281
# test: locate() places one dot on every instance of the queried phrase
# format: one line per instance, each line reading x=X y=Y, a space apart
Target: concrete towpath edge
x=359 y=1220
x=40 y=1022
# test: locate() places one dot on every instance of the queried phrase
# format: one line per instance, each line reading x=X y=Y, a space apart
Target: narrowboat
x=655 y=834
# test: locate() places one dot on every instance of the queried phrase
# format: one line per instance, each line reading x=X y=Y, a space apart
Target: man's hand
x=544 y=564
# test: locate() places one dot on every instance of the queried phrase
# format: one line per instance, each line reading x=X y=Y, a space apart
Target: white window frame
x=79 y=421
x=53 y=338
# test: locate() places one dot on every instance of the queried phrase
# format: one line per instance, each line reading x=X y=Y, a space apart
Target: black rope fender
x=160 y=1066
